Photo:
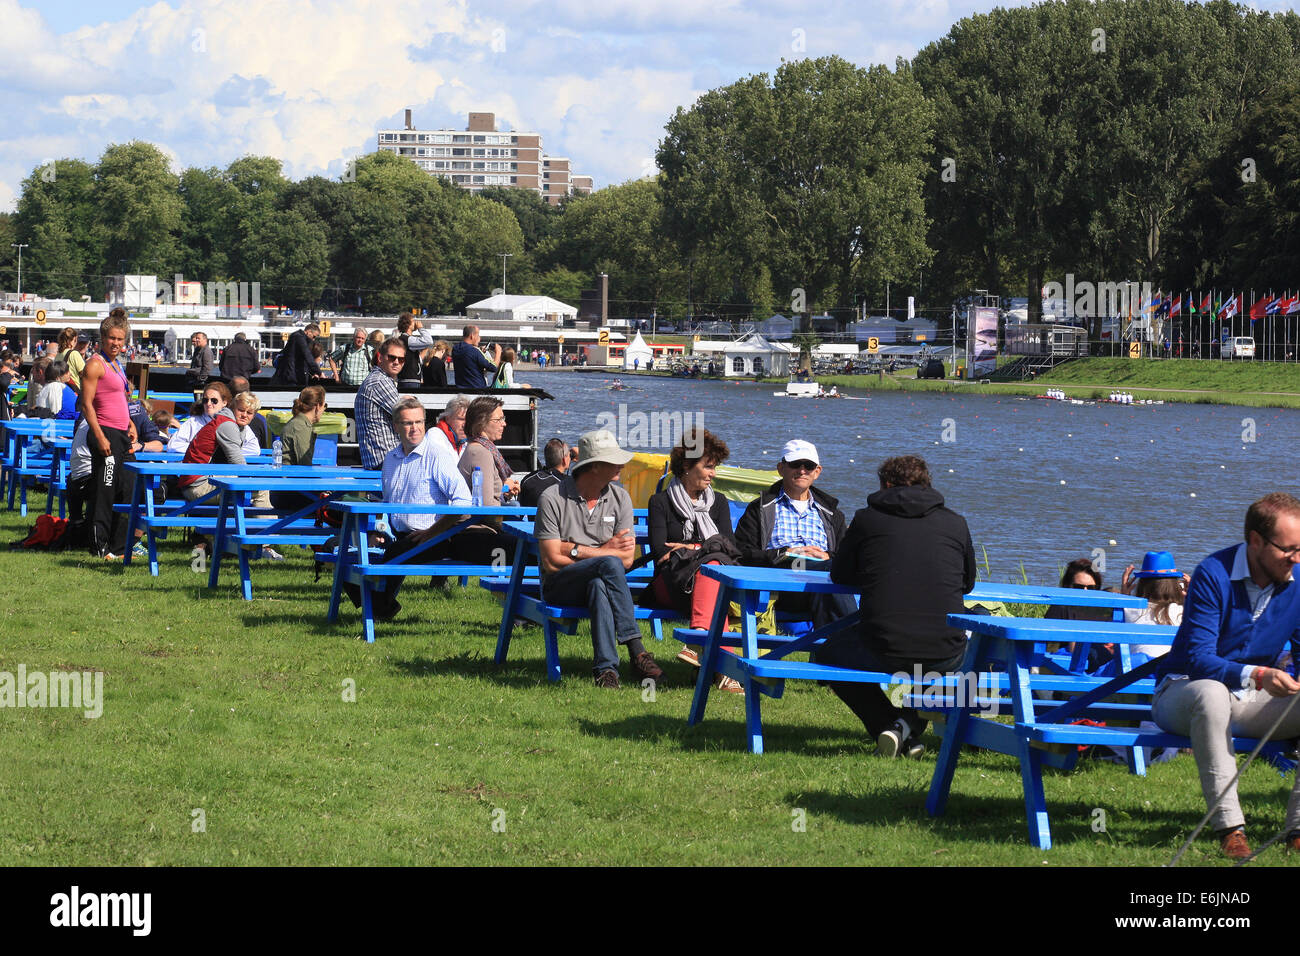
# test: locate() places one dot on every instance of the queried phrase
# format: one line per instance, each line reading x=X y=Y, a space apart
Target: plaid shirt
x=792 y=528
x=376 y=399
x=356 y=363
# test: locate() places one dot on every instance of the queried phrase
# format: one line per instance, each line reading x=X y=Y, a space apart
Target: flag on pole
x=1274 y=307
x=1229 y=308
x=1205 y=303
x=1257 y=310
x=1176 y=306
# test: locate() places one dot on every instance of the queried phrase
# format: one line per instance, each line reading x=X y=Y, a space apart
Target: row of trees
x=1150 y=140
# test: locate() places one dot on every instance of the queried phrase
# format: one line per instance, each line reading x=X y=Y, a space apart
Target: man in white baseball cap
x=794 y=524
x=586 y=544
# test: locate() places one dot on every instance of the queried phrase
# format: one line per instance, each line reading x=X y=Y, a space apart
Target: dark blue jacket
x=471 y=366
x=1217 y=637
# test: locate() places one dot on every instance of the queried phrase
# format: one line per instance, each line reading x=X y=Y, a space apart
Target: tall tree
x=618 y=231
x=815 y=174
x=138 y=208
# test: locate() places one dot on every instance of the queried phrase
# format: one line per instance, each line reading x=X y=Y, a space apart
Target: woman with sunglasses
x=1081 y=575
x=216 y=396
x=485 y=423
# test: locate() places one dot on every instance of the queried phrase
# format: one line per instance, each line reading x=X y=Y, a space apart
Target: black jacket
x=912 y=561
x=665 y=525
x=435 y=373
x=535 y=483
x=754 y=529
x=239 y=358
x=296 y=367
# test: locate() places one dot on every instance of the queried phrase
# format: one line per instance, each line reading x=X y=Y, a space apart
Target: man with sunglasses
x=793 y=524
x=1219 y=679
x=376 y=399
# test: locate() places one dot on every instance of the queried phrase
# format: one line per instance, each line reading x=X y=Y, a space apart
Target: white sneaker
x=270 y=554
x=897 y=740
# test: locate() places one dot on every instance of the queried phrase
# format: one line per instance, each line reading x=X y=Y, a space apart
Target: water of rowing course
x=1129 y=472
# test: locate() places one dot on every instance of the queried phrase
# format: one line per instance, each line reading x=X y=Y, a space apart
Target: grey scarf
x=697 y=524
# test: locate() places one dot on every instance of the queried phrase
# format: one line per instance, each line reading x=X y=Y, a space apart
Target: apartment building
x=480 y=156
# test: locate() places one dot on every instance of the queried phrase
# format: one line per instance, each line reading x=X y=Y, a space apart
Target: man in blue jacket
x=472 y=369
x=1219 y=679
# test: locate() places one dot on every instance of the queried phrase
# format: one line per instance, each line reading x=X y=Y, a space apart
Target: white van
x=1241 y=346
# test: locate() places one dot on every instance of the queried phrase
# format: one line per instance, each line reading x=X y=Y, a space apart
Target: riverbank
x=1256 y=384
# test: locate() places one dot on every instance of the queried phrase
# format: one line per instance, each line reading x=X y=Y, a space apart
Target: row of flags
x=1171 y=305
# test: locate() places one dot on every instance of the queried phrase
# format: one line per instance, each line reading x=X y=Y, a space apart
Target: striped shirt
x=794 y=527
x=376 y=399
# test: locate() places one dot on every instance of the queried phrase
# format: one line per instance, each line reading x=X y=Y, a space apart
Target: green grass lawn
x=237 y=710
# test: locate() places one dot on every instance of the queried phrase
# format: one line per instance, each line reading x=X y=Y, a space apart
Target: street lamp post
x=20 y=246
x=504 y=256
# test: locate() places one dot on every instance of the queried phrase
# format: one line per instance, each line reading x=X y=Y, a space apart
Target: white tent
x=637 y=354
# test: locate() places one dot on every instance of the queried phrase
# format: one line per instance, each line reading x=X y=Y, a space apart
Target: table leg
x=367 y=612
x=340 y=560
x=244 y=500
x=954 y=735
x=511 y=602
x=709 y=655
x=219 y=540
x=132 y=516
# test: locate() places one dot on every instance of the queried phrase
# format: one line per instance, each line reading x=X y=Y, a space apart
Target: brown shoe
x=608 y=679
x=729 y=684
x=1234 y=844
x=644 y=666
x=688 y=655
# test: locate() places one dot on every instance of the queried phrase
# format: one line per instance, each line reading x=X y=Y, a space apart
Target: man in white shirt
x=422 y=469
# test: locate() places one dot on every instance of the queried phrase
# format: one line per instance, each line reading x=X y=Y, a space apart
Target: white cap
x=799 y=450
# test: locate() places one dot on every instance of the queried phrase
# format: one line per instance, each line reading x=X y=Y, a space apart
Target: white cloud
x=311 y=81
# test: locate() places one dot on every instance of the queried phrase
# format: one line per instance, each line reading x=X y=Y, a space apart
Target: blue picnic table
x=240 y=526
x=200 y=514
x=353 y=562
x=24 y=456
x=1038 y=722
x=764 y=673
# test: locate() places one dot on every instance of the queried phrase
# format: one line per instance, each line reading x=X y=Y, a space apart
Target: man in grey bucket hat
x=584 y=535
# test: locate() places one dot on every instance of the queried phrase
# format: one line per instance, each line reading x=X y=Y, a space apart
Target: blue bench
x=353 y=562
x=522 y=598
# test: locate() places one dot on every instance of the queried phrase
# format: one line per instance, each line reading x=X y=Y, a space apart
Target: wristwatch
x=573 y=552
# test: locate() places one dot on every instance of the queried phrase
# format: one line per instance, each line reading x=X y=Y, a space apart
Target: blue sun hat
x=1158 y=564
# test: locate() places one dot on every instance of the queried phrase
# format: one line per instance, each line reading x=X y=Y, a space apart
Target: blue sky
x=311 y=81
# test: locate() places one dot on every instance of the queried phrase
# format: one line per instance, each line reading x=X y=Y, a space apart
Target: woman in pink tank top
x=104 y=404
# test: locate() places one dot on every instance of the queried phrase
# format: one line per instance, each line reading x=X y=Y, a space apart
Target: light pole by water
x=20 y=246
x=504 y=256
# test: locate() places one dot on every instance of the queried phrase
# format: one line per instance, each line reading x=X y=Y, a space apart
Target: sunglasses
x=394 y=358
x=802 y=465
x=212 y=401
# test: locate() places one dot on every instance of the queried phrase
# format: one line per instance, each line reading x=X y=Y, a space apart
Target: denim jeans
x=601 y=585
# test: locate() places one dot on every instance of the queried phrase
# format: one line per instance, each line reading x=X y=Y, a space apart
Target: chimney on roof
x=408 y=120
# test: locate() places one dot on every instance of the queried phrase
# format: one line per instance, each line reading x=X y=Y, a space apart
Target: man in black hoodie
x=793 y=524
x=913 y=562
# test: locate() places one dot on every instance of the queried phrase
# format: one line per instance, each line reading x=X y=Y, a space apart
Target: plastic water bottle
x=277 y=453
x=476 y=487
